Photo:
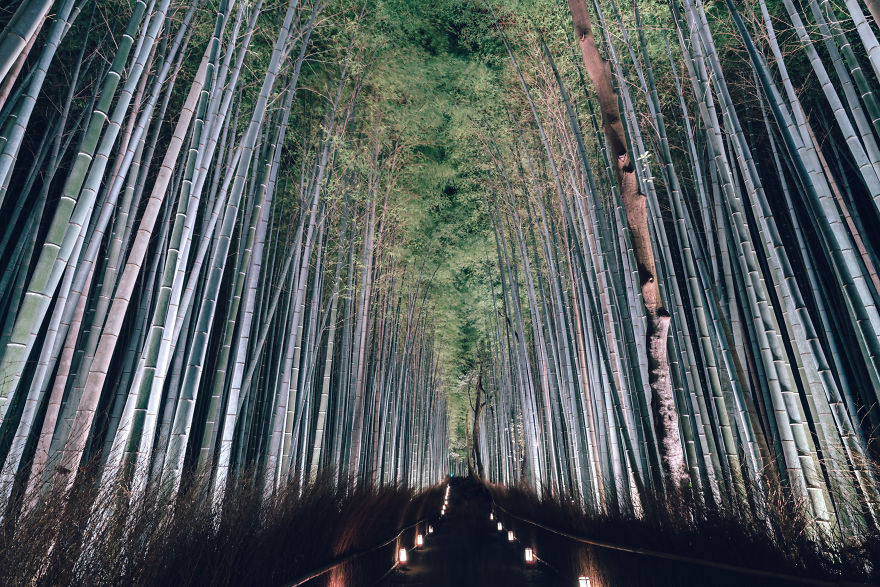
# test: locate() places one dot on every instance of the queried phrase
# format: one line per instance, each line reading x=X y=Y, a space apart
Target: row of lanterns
x=402 y=554
x=583 y=581
x=529 y=553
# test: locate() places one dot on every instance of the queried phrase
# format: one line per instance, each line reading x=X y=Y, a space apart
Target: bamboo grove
x=757 y=177
x=211 y=269
x=197 y=270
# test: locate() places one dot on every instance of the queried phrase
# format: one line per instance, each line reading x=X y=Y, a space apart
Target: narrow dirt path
x=467 y=549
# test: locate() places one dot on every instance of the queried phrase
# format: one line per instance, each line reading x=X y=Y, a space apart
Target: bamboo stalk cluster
x=760 y=224
x=193 y=277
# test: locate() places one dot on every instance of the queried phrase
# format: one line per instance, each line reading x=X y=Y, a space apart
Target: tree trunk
x=476 y=462
x=634 y=202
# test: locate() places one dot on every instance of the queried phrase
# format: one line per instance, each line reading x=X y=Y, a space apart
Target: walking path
x=467 y=549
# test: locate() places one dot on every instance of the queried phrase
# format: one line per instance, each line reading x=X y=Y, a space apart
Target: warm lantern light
x=500 y=527
x=401 y=557
x=530 y=556
x=430 y=529
x=420 y=541
x=510 y=536
x=583 y=581
x=491 y=515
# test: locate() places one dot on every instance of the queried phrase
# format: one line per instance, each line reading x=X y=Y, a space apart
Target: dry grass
x=99 y=538
x=776 y=541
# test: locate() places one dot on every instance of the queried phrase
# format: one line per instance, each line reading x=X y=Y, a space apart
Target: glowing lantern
x=430 y=529
x=500 y=527
x=401 y=557
x=491 y=515
x=583 y=581
x=510 y=537
x=420 y=541
x=530 y=556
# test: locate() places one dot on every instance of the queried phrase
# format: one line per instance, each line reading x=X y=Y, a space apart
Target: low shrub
x=99 y=537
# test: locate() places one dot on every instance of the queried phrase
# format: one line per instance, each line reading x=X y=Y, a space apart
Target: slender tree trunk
x=634 y=202
x=476 y=463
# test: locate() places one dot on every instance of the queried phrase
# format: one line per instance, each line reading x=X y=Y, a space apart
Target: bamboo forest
x=459 y=292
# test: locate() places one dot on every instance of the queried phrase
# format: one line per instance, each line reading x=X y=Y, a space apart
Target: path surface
x=466 y=549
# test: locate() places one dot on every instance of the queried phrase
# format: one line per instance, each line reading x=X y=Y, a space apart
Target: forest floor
x=467 y=549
